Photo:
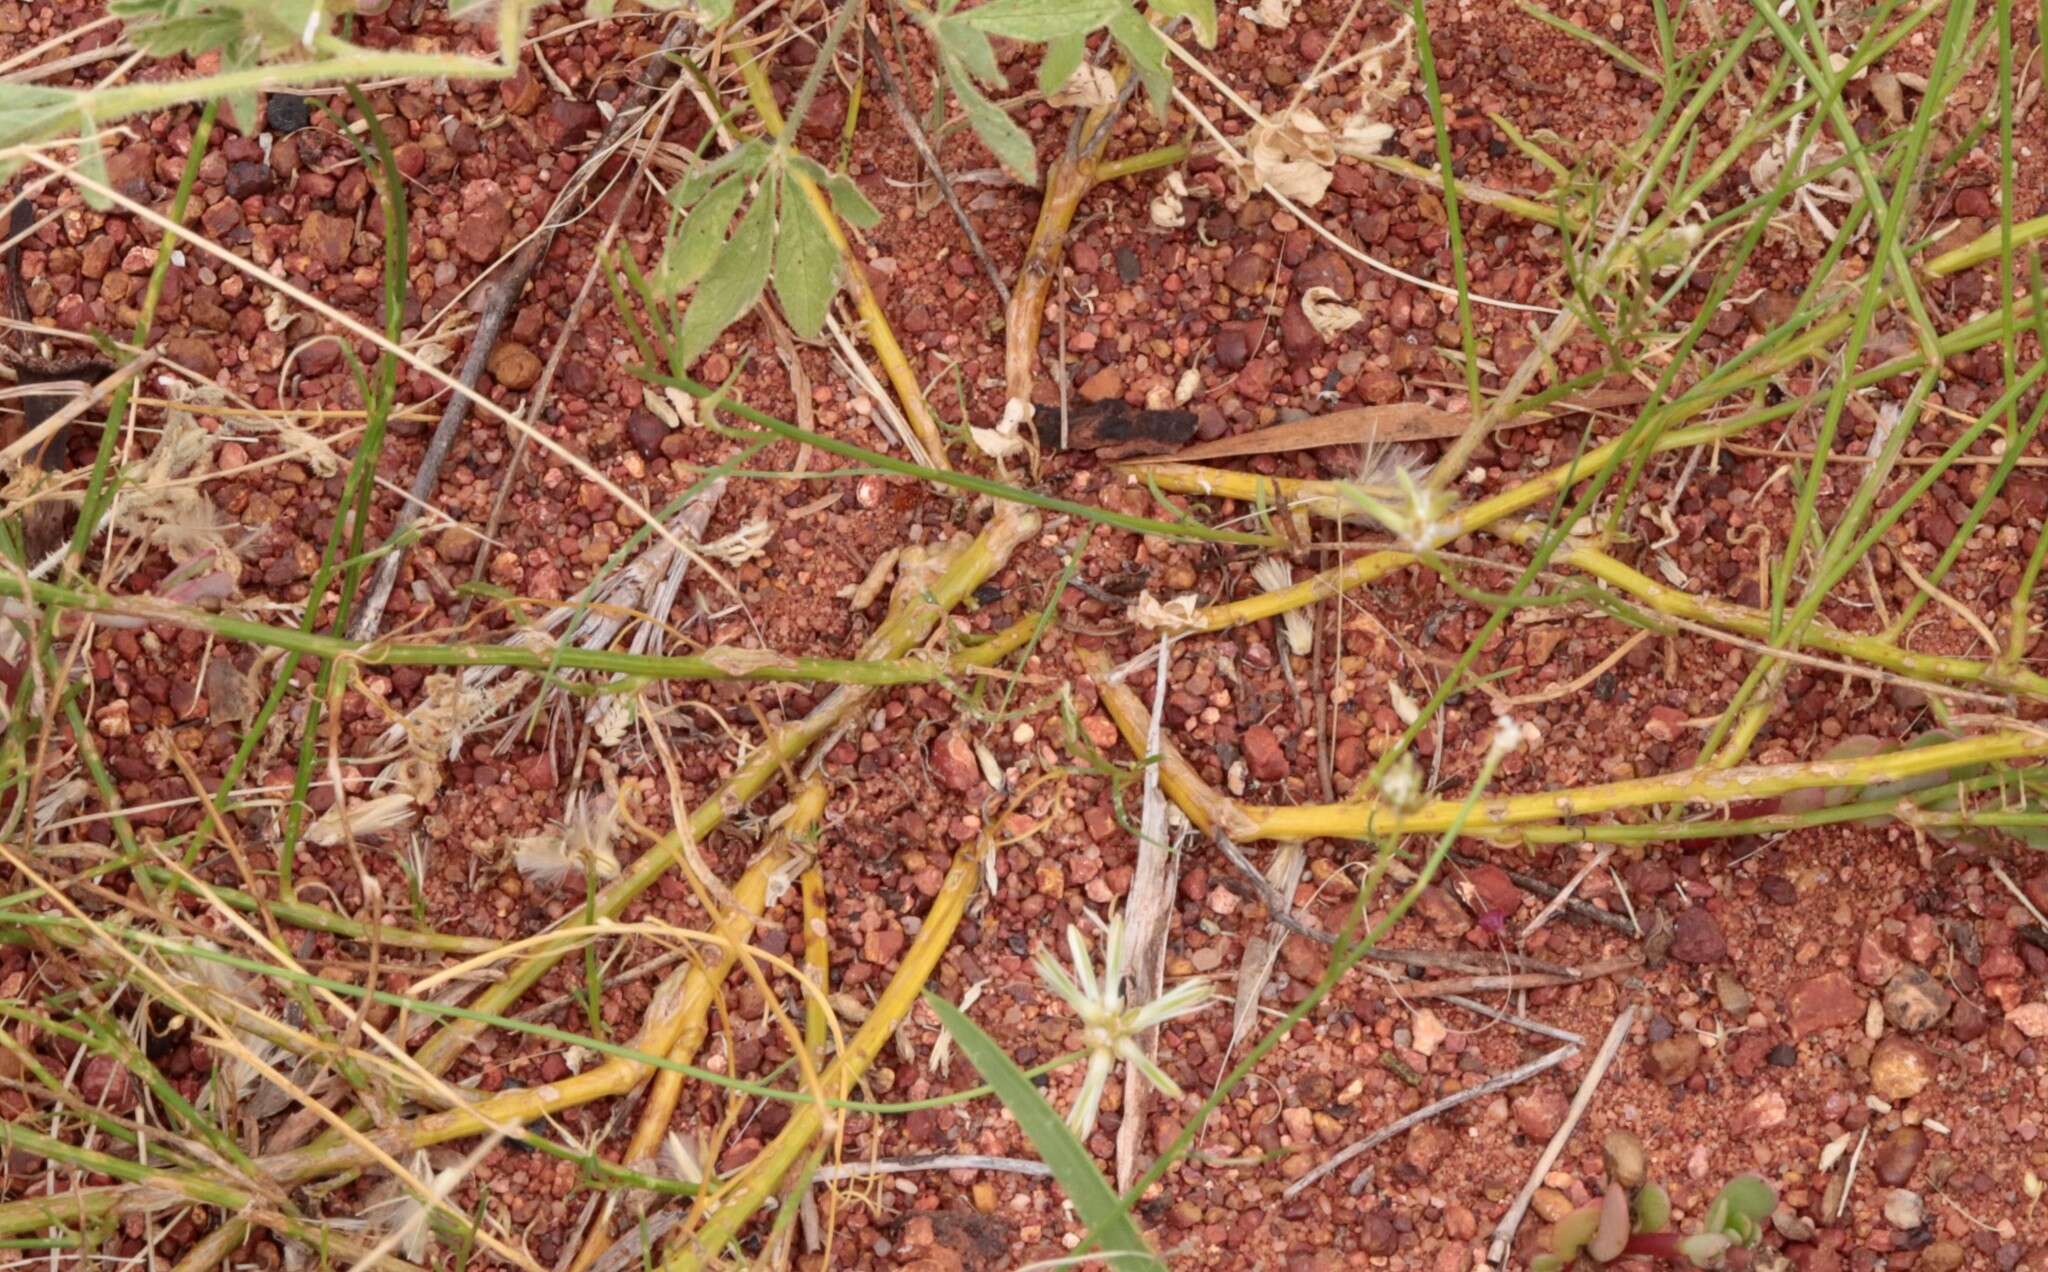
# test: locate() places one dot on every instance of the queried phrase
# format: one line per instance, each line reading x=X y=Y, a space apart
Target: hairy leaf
x=1037 y=21
x=966 y=46
x=1010 y=144
x=1146 y=50
x=697 y=243
x=1062 y=57
x=732 y=284
x=806 y=264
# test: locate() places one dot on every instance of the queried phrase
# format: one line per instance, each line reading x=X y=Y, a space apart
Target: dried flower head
x=1111 y=1030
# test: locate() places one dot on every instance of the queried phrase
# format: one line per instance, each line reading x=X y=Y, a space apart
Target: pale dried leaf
x=863 y=594
x=1176 y=615
x=1329 y=315
x=360 y=819
x=1089 y=87
x=1169 y=209
x=1293 y=156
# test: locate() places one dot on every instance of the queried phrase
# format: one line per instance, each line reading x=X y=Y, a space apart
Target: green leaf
x=696 y=245
x=745 y=159
x=851 y=203
x=92 y=164
x=806 y=264
x=1037 y=21
x=1201 y=14
x=1093 y=1199
x=201 y=33
x=1146 y=50
x=965 y=46
x=733 y=283
x=1062 y=58
x=1653 y=1208
x=1749 y=1197
x=1010 y=144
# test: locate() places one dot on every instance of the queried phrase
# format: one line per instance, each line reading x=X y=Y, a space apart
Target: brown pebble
x=1914 y=1001
x=646 y=431
x=1900 y=1069
x=514 y=366
x=1899 y=1154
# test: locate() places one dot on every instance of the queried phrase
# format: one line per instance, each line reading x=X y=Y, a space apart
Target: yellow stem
x=700 y=988
x=909 y=393
x=807 y=1122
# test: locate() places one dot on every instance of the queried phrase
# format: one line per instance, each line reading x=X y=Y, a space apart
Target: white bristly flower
x=1112 y=1030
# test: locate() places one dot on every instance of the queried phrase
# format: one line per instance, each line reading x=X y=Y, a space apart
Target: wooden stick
x=1500 y=1081
x=1504 y=1234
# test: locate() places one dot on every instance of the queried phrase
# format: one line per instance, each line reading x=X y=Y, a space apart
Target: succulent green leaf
x=1571 y=1233
x=732 y=284
x=1750 y=1197
x=1653 y=1208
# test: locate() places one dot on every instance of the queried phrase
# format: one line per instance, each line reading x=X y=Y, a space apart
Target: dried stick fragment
x=1498 y=1082
x=906 y=119
x=503 y=292
x=1504 y=1234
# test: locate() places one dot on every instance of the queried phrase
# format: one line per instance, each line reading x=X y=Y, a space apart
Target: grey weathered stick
x=906 y=119
x=1504 y=1234
x=503 y=293
x=1500 y=1081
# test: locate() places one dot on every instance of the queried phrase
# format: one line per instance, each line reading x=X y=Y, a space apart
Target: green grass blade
x=1094 y=1200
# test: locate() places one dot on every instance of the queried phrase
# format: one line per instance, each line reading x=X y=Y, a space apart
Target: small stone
x=514 y=366
x=2030 y=1019
x=1676 y=1058
x=1381 y=388
x=1326 y=269
x=1874 y=963
x=1622 y=1155
x=954 y=763
x=646 y=431
x=1127 y=265
x=1899 y=1154
x=246 y=179
x=1900 y=1069
x=1550 y=1204
x=1826 y=1002
x=1105 y=384
x=327 y=239
x=457 y=544
x=1904 y=1210
x=1233 y=347
x=1540 y=1113
x=1262 y=752
x=483 y=228
x=1734 y=998
x=286 y=113
x=1762 y=1113
x=1247 y=272
x=1914 y=1001
x=1698 y=937
x=1496 y=892
x=1967 y=1021
x=1942 y=1256
x=1784 y=1055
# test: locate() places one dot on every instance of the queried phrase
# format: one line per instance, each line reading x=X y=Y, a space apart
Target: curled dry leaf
x=1089 y=87
x=1275 y=14
x=1292 y=156
x=1005 y=439
x=1329 y=315
x=360 y=819
x=1169 y=207
x=1153 y=614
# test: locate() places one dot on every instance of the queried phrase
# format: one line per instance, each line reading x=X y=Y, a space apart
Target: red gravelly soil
x=1852 y=981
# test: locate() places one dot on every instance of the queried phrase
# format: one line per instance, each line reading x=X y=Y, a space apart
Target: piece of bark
x=1118 y=430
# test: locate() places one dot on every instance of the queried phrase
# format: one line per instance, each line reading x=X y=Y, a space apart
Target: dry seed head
x=1274 y=574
